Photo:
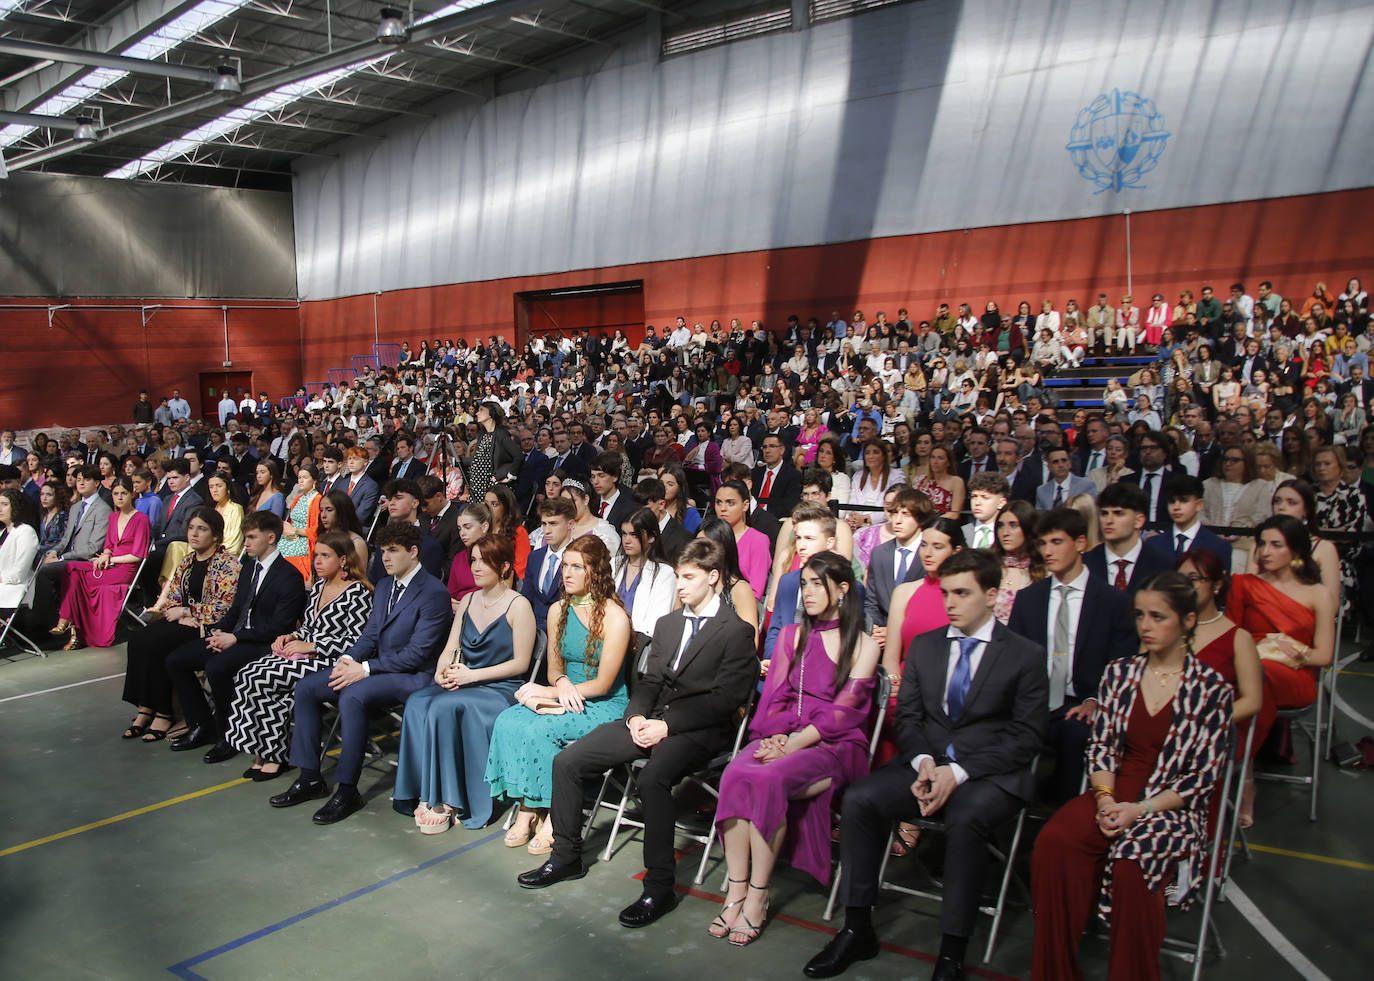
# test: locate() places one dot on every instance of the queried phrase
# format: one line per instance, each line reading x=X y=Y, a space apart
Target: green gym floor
x=124 y=860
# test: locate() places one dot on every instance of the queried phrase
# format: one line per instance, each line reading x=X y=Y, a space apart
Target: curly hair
x=600 y=587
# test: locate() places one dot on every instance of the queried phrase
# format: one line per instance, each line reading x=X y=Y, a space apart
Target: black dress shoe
x=647 y=909
x=844 y=949
x=550 y=873
x=194 y=738
x=299 y=792
x=948 y=969
x=346 y=801
x=261 y=776
x=220 y=752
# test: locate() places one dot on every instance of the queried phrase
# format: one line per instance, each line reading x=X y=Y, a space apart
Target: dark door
x=213 y=385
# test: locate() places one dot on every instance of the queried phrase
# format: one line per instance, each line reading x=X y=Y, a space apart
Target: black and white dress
x=260 y=720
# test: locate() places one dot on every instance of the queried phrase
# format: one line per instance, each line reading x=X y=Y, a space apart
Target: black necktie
x=396 y=592
x=247 y=618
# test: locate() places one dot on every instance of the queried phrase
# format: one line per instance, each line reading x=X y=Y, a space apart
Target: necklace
x=586 y=600
x=1203 y=623
x=1164 y=676
x=488 y=604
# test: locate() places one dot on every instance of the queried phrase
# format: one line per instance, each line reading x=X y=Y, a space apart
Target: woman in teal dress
x=447 y=729
x=589 y=635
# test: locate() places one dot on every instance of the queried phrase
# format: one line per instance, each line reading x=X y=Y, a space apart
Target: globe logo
x=1117 y=140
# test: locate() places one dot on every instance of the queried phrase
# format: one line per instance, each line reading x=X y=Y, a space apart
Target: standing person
x=970 y=718
x=394 y=657
x=701 y=670
x=1157 y=751
x=93 y=592
x=495 y=456
x=807 y=743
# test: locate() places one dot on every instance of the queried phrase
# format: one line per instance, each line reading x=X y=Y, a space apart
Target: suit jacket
x=674 y=538
x=406 y=640
x=536 y=466
x=1148 y=563
x=623 y=507
x=365 y=495
x=173 y=525
x=410 y=469
x=1106 y=630
x=531 y=589
x=444 y=530
x=579 y=462
x=768 y=524
x=1161 y=515
x=786 y=604
x=276 y=606
x=716 y=675
x=431 y=559
x=1044 y=494
x=1004 y=719
x=881 y=580
x=1162 y=546
x=1082 y=457
x=783 y=495
x=87 y=540
x=965 y=467
x=506 y=455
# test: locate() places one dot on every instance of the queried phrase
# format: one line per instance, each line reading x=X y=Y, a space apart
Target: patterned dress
x=1343 y=510
x=304 y=516
x=481 y=465
x=260 y=720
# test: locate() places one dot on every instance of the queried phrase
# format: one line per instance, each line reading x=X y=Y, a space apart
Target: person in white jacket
x=18 y=547
x=644 y=580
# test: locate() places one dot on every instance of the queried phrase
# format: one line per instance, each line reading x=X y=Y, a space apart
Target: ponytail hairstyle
x=1178 y=592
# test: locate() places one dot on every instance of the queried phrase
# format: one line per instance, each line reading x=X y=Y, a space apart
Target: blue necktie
x=1182 y=544
x=549 y=573
x=903 y=564
x=963 y=676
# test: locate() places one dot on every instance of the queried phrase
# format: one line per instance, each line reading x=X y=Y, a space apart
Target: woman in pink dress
x=93 y=592
x=755 y=554
x=809 y=439
x=808 y=740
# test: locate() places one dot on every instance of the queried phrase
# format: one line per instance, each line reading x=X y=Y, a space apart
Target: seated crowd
x=552 y=563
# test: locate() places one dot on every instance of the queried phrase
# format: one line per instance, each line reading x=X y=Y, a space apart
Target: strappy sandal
x=151 y=735
x=906 y=840
x=73 y=643
x=135 y=728
x=62 y=627
x=718 y=927
x=520 y=832
x=750 y=932
x=437 y=819
x=541 y=843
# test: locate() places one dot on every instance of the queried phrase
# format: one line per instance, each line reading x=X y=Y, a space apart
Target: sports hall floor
x=124 y=860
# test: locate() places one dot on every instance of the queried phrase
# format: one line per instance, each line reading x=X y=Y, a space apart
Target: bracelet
x=1100 y=791
x=1147 y=807
x=555 y=681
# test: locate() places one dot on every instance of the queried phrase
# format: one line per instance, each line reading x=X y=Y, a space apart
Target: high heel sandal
x=151 y=735
x=436 y=821
x=719 y=922
x=908 y=837
x=750 y=932
x=519 y=832
x=135 y=729
x=62 y=627
x=541 y=843
x=73 y=643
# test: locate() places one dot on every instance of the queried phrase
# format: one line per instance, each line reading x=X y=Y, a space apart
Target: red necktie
x=1120 y=582
x=767 y=484
x=603 y=509
x=175 y=497
x=350 y=488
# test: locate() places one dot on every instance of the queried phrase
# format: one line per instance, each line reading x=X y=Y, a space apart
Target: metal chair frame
x=1312 y=721
x=7 y=624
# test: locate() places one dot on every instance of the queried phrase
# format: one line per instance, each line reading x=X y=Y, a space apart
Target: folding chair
x=124 y=609
x=1311 y=721
x=7 y=623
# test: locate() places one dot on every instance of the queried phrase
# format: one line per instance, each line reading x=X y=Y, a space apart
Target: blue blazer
x=786 y=601
x=1148 y=564
x=530 y=589
x=432 y=559
x=364 y=497
x=1162 y=546
x=409 y=638
x=1106 y=630
x=881 y=576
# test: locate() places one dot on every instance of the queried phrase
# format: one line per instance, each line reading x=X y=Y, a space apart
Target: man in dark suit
x=405 y=465
x=777 y=484
x=1093 y=455
x=403 y=506
x=701 y=670
x=442 y=516
x=1083 y=623
x=361 y=489
x=533 y=469
x=332 y=470
x=893 y=562
x=580 y=453
x=542 y=584
x=195 y=473
x=1154 y=472
x=268 y=602
x=1183 y=498
x=978 y=446
x=245 y=463
x=971 y=716
x=175 y=514
x=1023 y=476
x=650 y=493
x=395 y=656
x=613 y=501
x=1122 y=561
x=378 y=468
x=759 y=519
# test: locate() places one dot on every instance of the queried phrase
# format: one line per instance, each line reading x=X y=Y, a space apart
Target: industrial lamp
x=391 y=29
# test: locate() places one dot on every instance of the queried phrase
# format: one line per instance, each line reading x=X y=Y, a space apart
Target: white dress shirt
x=1131 y=558
x=712 y=608
x=1077 y=588
x=983 y=634
x=1189 y=535
x=404 y=583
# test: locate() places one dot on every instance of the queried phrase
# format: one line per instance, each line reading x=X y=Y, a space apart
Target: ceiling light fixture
x=85 y=131
x=391 y=29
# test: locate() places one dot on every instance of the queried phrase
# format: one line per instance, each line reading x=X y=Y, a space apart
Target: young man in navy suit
x=1083 y=623
x=893 y=562
x=971 y=716
x=361 y=489
x=268 y=602
x=1122 y=561
x=395 y=656
x=1183 y=499
x=542 y=584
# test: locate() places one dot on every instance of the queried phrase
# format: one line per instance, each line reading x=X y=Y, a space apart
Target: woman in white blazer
x=644 y=581
x=18 y=546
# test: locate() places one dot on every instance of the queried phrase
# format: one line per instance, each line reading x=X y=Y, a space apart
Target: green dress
x=524 y=743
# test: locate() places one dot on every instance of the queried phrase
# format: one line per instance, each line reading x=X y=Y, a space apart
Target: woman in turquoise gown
x=447 y=728
x=589 y=633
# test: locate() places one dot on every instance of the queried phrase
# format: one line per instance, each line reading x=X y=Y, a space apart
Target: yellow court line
x=1347 y=673
x=1307 y=856
x=119 y=817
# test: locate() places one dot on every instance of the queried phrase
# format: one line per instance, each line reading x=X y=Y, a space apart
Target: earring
x=1296 y=565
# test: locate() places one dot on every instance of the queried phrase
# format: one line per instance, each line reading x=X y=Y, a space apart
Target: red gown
x=1263 y=609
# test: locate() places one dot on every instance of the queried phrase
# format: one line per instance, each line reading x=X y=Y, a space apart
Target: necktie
x=767 y=484
x=80 y=513
x=1058 y=494
x=1063 y=640
x=1150 y=492
x=396 y=591
x=695 y=624
x=603 y=510
x=983 y=538
x=962 y=677
x=551 y=570
x=1182 y=545
x=903 y=564
x=351 y=484
x=1096 y=460
x=252 y=594
x=1120 y=581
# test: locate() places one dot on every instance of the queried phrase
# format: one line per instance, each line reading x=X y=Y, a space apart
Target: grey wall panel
x=87 y=236
x=932 y=115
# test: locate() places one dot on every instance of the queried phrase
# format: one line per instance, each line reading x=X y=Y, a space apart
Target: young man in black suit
x=1083 y=623
x=613 y=501
x=1155 y=454
x=971 y=716
x=702 y=668
x=777 y=484
x=442 y=517
x=650 y=493
x=1122 y=561
x=268 y=603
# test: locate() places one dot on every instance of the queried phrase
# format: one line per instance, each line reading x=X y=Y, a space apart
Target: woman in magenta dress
x=755 y=553
x=807 y=740
x=93 y=592
x=473 y=523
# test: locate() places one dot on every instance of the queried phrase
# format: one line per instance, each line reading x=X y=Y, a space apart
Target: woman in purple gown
x=809 y=738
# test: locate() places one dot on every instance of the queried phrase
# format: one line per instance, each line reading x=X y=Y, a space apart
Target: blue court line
x=183 y=970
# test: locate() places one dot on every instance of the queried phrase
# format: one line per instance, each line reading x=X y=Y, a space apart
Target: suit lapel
x=403 y=602
x=986 y=665
x=931 y=667
x=697 y=644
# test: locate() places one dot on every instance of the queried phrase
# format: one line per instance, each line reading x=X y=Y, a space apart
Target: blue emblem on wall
x=1117 y=140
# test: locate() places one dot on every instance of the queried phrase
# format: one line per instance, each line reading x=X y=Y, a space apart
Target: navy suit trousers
x=355 y=703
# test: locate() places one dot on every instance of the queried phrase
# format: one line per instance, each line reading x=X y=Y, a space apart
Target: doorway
x=213 y=385
x=594 y=307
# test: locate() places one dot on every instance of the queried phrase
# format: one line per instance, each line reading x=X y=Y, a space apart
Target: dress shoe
x=844 y=949
x=948 y=969
x=299 y=792
x=194 y=738
x=550 y=873
x=646 y=909
x=220 y=752
x=261 y=776
x=346 y=801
